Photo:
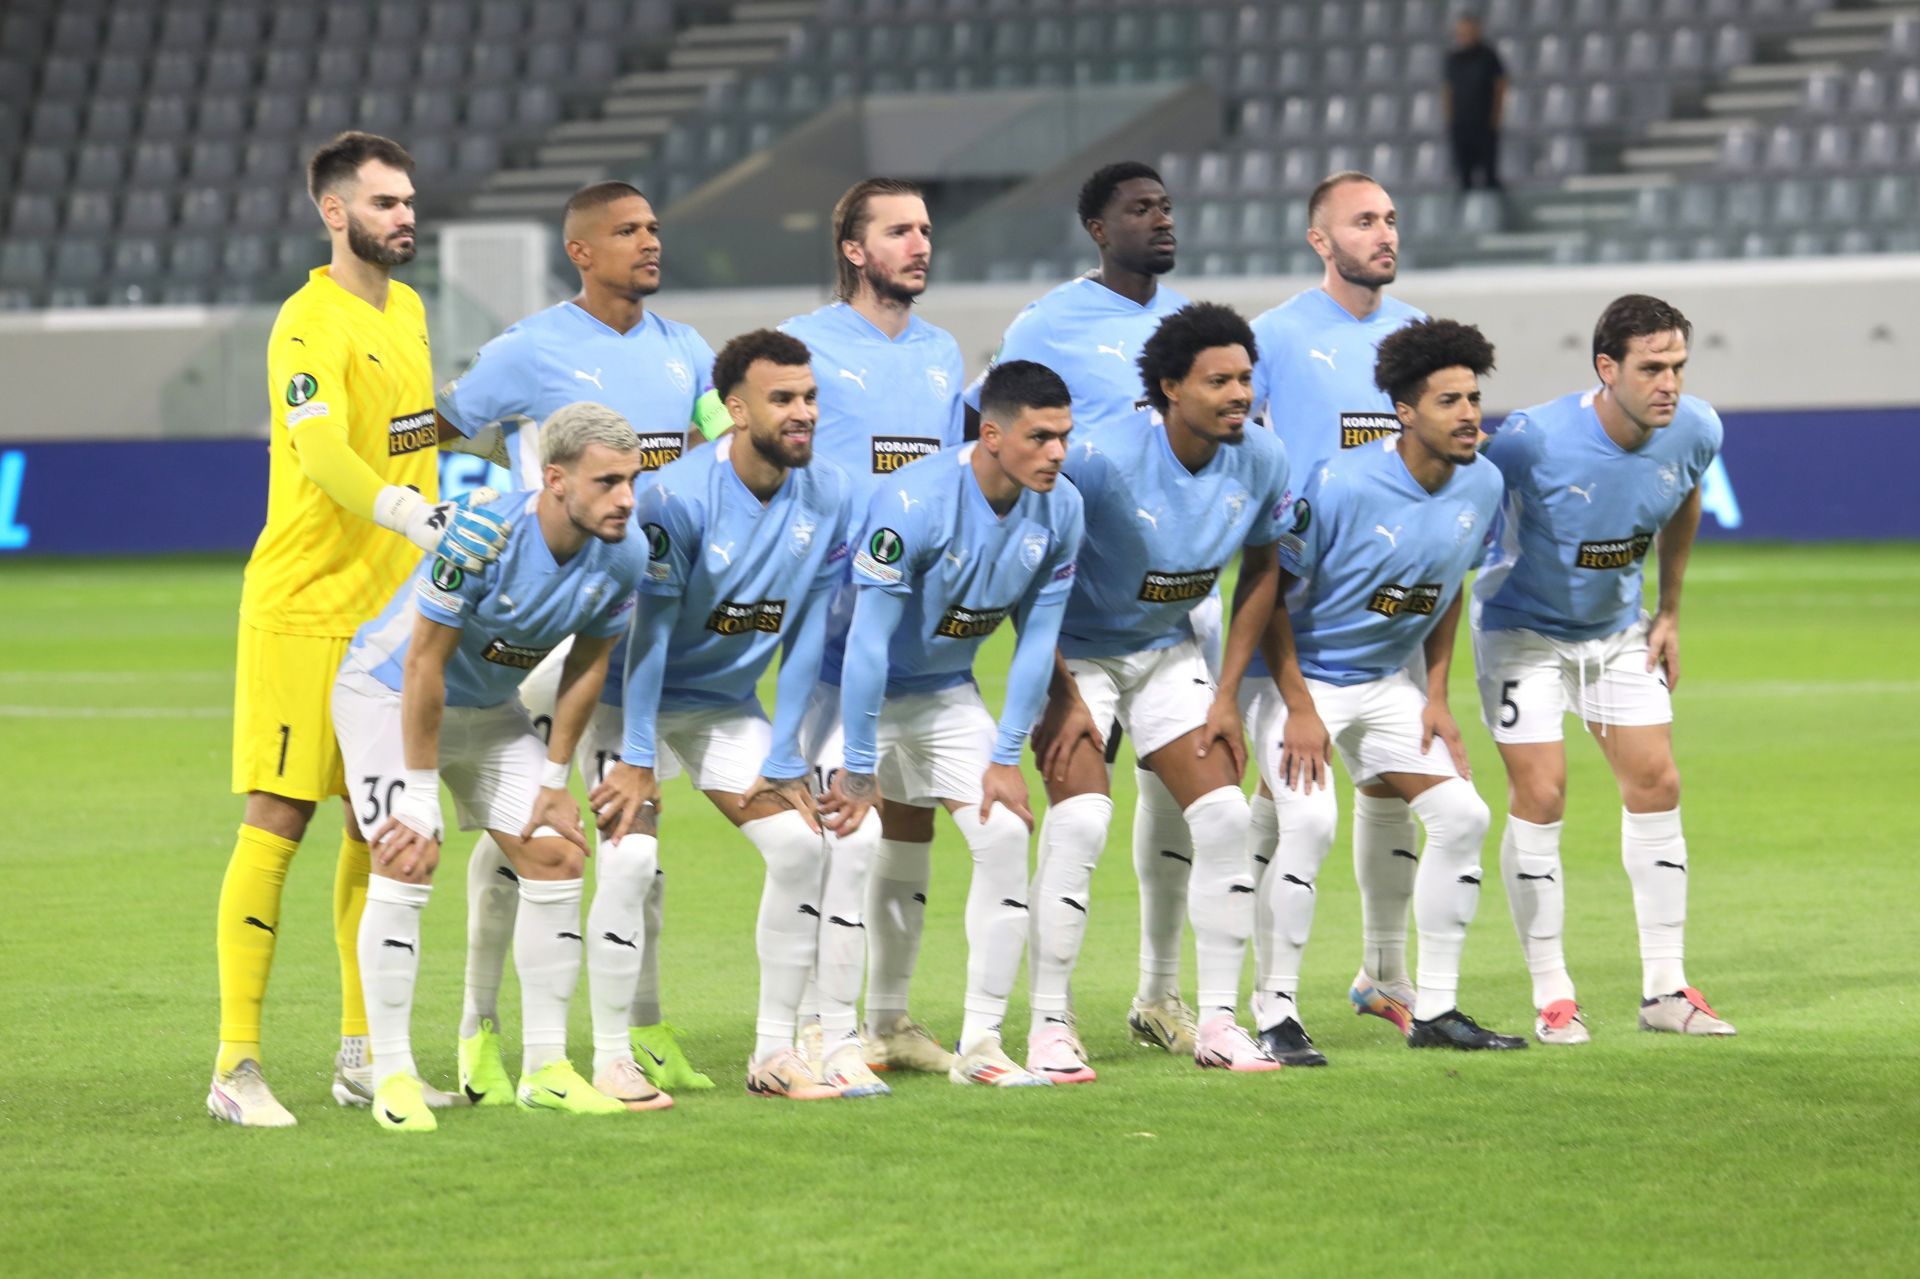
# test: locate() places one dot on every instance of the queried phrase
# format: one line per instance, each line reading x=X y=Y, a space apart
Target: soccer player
x=1593 y=480
x=351 y=460
x=889 y=393
x=1091 y=331
x=1371 y=567
x=1166 y=506
x=427 y=689
x=953 y=545
x=1314 y=386
x=603 y=344
x=747 y=540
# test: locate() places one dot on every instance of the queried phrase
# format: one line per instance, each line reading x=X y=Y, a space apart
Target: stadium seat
x=56 y=123
x=111 y=119
x=169 y=117
x=257 y=209
x=347 y=26
x=65 y=77
x=1879 y=146
x=89 y=213
x=221 y=115
x=1890 y=200
x=78 y=262
x=1786 y=150
x=1698 y=207
x=229 y=70
x=339 y=68
x=174 y=71
x=33 y=213
x=399 y=22
x=1793 y=204
x=205 y=208
x=136 y=258
x=1832 y=147
x=146 y=210
x=294 y=26
x=23 y=262
x=100 y=165
x=214 y=160
x=239 y=27
x=43 y=168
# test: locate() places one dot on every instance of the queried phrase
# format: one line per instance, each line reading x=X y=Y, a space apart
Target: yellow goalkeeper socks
x=245 y=933
x=349 y=902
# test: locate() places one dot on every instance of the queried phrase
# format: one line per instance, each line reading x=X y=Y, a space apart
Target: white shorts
x=821 y=741
x=1375 y=727
x=1209 y=630
x=1260 y=714
x=490 y=758
x=721 y=747
x=599 y=747
x=1158 y=695
x=1530 y=682
x=935 y=746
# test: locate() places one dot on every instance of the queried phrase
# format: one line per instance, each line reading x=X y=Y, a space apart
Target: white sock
x=1220 y=902
x=546 y=955
x=1655 y=855
x=615 y=924
x=1537 y=896
x=1284 y=902
x=1072 y=835
x=896 y=911
x=646 y=990
x=493 y=898
x=1385 y=860
x=835 y=987
x=787 y=935
x=996 y=917
x=1446 y=893
x=389 y=947
x=1263 y=832
x=1162 y=860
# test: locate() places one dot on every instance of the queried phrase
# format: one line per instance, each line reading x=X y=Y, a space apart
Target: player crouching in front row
x=429 y=685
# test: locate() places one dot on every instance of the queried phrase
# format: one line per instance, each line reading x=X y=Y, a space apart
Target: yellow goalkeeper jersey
x=334 y=363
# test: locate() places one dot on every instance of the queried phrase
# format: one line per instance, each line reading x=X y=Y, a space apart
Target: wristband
x=395 y=505
x=553 y=776
x=417 y=807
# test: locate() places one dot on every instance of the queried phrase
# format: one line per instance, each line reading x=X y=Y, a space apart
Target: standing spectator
x=1476 y=92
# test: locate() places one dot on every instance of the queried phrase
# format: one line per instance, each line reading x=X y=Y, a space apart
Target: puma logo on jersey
x=724 y=552
x=907 y=501
x=1327 y=356
x=1393 y=536
x=593 y=377
x=1586 y=492
x=956 y=556
x=858 y=379
x=1118 y=350
x=1146 y=515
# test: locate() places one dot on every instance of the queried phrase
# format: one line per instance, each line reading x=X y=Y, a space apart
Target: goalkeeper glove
x=457 y=531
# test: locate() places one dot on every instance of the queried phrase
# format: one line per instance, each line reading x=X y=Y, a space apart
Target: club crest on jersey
x=1464 y=527
x=937 y=379
x=1364 y=428
x=1236 y=502
x=732 y=618
x=800 y=536
x=411 y=433
x=1033 y=549
x=1159 y=587
x=1393 y=599
x=1669 y=479
x=301 y=387
x=1613 y=553
x=682 y=376
x=969 y=623
x=891 y=452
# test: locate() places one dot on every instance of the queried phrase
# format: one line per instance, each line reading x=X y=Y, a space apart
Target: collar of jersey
x=581 y=314
x=915 y=325
x=326 y=273
x=1121 y=300
x=1159 y=430
x=723 y=459
x=972 y=484
x=1401 y=477
x=538 y=537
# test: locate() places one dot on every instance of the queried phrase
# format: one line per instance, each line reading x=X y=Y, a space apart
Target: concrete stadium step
x=641 y=104
x=777 y=11
x=1880 y=15
x=597 y=154
x=716 y=57
x=499 y=204
x=1669 y=157
x=682 y=81
x=1711 y=129
x=1612 y=183
x=625 y=127
x=1840 y=46
x=1752 y=102
x=738 y=33
x=1774 y=74
x=545 y=176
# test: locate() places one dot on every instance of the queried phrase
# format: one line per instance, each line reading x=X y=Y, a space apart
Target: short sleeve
x=956 y=433
x=446 y=594
x=1276 y=510
x=1510 y=448
x=1057 y=572
x=1310 y=525
x=495 y=385
x=1086 y=466
x=893 y=548
x=307 y=372
x=613 y=619
x=672 y=535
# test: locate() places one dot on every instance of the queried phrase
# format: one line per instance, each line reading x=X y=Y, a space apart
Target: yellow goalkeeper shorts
x=283 y=739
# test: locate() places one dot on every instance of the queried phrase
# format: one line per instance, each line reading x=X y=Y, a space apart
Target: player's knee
x=906 y=823
x=279 y=815
x=633 y=862
x=1077 y=828
x=1454 y=814
x=1657 y=790
x=853 y=853
x=1307 y=818
x=1539 y=797
x=548 y=858
x=795 y=853
x=1001 y=839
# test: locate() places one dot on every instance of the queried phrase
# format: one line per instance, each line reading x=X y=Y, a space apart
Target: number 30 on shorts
x=377 y=803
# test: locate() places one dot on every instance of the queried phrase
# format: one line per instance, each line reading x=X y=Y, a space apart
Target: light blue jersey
x=510 y=614
x=1379 y=558
x=954 y=570
x=884 y=402
x=729 y=581
x=1313 y=383
x=1092 y=337
x=651 y=375
x=1158 y=535
x=1580 y=514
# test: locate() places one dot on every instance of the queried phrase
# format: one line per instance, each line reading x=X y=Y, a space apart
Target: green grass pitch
x=1787 y=1150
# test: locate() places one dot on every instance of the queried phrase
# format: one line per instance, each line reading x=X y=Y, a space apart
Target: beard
x=887 y=289
x=1355 y=271
x=782 y=454
x=371 y=249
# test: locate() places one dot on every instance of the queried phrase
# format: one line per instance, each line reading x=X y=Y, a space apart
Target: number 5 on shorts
x=1509 y=709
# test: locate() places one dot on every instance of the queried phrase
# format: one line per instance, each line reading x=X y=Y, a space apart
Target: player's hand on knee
x=1663 y=649
x=625 y=800
x=1306 y=752
x=1063 y=724
x=1437 y=721
x=554 y=807
x=402 y=852
x=849 y=798
x=789 y=792
x=1006 y=785
x=1223 y=726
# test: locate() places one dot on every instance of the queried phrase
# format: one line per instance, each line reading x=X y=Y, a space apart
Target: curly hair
x=1411 y=355
x=736 y=357
x=1196 y=327
x=1097 y=190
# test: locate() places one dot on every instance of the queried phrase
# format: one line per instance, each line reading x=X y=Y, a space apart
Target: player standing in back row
x=603 y=345
x=1314 y=386
x=352 y=446
x=1593 y=481
x=1091 y=331
x=889 y=394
